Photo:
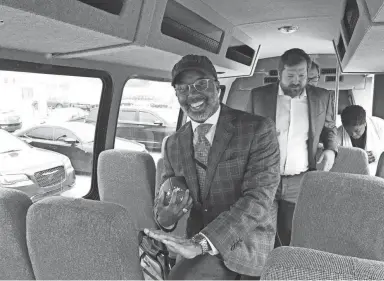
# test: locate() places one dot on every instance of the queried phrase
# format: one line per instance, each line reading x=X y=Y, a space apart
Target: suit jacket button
x=205 y=210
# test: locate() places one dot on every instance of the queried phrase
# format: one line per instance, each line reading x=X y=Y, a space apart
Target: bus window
x=156 y=113
x=46 y=148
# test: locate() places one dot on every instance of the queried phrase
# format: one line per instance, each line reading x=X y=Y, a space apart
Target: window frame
x=104 y=104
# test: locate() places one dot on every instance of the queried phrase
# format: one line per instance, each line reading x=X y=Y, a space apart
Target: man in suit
x=304 y=116
x=230 y=160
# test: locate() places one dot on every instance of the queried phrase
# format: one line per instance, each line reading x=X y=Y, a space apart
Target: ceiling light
x=288 y=29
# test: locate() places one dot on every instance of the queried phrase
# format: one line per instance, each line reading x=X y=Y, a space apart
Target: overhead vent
x=332 y=78
x=240 y=52
x=183 y=24
x=110 y=6
x=273 y=72
x=268 y=80
x=328 y=71
x=350 y=18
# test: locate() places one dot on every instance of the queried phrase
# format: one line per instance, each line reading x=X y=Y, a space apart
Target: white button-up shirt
x=292 y=125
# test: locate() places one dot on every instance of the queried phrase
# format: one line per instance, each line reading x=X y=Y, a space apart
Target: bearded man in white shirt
x=304 y=116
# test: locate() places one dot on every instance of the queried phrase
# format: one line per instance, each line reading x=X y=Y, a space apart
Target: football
x=171 y=184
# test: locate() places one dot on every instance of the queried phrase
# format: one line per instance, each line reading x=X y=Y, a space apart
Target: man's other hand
x=182 y=246
x=371 y=157
x=328 y=156
x=170 y=214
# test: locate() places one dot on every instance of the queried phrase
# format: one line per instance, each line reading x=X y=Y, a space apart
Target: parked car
x=66 y=114
x=141 y=125
x=73 y=139
x=10 y=120
x=37 y=172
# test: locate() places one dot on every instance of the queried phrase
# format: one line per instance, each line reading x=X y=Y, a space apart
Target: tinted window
x=43 y=133
x=153 y=101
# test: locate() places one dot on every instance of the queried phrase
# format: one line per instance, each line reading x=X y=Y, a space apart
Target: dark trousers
x=286 y=196
x=205 y=267
x=284 y=223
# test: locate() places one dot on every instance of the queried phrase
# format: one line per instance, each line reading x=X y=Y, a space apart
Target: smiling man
x=304 y=116
x=230 y=161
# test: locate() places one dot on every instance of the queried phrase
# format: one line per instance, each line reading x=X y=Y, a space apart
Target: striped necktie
x=201 y=151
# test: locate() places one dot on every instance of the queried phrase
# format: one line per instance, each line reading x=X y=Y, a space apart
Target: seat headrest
x=82 y=239
x=341 y=214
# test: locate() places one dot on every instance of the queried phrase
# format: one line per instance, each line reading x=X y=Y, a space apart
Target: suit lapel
x=186 y=156
x=313 y=111
x=265 y=102
x=223 y=134
x=270 y=102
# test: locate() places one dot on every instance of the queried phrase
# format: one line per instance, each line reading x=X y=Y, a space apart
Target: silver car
x=37 y=172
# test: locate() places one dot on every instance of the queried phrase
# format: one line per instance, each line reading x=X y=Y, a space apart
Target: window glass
x=30 y=103
x=127 y=115
x=146 y=117
x=155 y=101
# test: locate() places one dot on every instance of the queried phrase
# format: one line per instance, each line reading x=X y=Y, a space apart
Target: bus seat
x=341 y=214
x=294 y=263
x=350 y=160
x=81 y=239
x=14 y=259
x=127 y=178
x=380 y=166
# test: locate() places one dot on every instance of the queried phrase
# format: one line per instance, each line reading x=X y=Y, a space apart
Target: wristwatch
x=203 y=242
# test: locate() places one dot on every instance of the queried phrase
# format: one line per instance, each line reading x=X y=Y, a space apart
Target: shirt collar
x=302 y=95
x=211 y=120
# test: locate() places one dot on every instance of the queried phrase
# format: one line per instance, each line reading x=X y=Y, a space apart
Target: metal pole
x=336 y=101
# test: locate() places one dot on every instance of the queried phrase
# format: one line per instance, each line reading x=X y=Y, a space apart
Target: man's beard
x=293 y=90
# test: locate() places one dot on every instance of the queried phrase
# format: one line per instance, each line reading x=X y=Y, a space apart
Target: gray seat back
x=80 y=239
x=127 y=178
x=350 y=160
x=340 y=214
x=291 y=263
x=14 y=258
x=380 y=166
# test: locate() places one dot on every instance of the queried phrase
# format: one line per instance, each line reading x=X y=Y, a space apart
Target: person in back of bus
x=230 y=160
x=363 y=132
x=314 y=74
x=304 y=116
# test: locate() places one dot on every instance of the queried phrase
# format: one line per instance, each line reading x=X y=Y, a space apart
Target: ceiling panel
x=249 y=11
x=318 y=21
x=314 y=36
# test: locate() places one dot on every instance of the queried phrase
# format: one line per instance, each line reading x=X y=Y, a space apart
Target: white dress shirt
x=292 y=125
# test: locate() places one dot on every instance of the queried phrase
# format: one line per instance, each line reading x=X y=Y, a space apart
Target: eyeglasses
x=199 y=85
x=314 y=79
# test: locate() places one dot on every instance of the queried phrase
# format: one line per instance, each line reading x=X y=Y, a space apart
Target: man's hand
x=371 y=157
x=170 y=214
x=184 y=247
x=328 y=156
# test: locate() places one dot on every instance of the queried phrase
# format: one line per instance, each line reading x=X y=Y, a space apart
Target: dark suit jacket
x=321 y=115
x=242 y=179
